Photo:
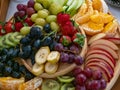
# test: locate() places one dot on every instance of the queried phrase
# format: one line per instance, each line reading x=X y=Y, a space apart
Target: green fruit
x=61 y=2
x=2 y=43
x=51 y=18
x=80 y=2
x=38 y=6
x=55 y=8
x=65 y=79
x=42 y=14
x=45 y=3
x=34 y=17
x=50 y=84
x=69 y=2
x=7 y=40
x=54 y=26
x=67 y=86
x=40 y=21
x=25 y=30
x=73 y=6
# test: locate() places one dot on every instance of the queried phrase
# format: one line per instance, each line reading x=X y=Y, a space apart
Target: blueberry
x=47 y=28
x=7 y=70
x=10 y=52
x=16 y=52
x=29 y=76
x=27 y=50
x=37 y=43
x=47 y=41
x=25 y=40
x=35 y=32
x=4 y=58
x=52 y=45
x=1 y=67
x=22 y=69
x=10 y=63
x=16 y=74
x=16 y=66
x=4 y=51
x=32 y=57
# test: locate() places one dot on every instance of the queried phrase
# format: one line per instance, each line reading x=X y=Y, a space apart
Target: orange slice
x=111 y=27
x=9 y=83
x=92 y=28
x=97 y=5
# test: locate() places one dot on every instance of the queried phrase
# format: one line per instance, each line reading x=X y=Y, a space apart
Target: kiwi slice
x=50 y=84
x=65 y=79
x=67 y=86
x=2 y=43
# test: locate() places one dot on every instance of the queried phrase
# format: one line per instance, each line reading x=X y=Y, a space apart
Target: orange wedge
x=92 y=28
x=111 y=27
x=9 y=83
x=97 y=5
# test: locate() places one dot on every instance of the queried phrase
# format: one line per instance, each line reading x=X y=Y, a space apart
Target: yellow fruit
x=97 y=5
x=33 y=84
x=9 y=83
x=111 y=27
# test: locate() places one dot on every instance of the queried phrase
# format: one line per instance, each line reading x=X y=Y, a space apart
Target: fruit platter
x=60 y=45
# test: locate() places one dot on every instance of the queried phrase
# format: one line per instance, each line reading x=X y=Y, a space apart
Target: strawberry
x=18 y=26
x=28 y=21
x=65 y=40
x=8 y=27
x=78 y=39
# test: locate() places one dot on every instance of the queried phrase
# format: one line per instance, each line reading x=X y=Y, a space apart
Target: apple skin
x=106 y=43
x=102 y=57
x=114 y=40
x=105 y=48
x=105 y=74
x=99 y=60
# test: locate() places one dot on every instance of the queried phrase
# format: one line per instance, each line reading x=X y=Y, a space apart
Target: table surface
x=114 y=10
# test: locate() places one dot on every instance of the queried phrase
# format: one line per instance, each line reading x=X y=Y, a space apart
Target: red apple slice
x=105 y=48
x=106 y=43
x=99 y=60
x=104 y=72
x=104 y=67
x=102 y=57
x=114 y=40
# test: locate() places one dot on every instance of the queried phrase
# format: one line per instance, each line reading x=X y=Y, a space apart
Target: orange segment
x=9 y=83
x=111 y=27
x=97 y=5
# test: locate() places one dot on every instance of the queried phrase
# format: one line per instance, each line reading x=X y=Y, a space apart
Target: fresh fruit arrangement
x=60 y=45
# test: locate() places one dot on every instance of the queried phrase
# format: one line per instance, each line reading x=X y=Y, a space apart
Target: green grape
x=40 y=21
x=34 y=17
x=51 y=18
x=46 y=11
x=25 y=30
x=42 y=14
x=45 y=3
x=38 y=6
x=54 y=26
x=55 y=8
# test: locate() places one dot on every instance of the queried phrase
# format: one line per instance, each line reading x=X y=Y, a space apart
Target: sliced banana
x=53 y=57
x=37 y=69
x=51 y=68
x=41 y=55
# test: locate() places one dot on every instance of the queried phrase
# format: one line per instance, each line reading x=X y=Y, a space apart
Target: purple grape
x=59 y=47
x=78 y=60
x=16 y=14
x=65 y=48
x=88 y=85
x=88 y=72
x=64 y=57
x=80 y=79
x=96 y=85
x=77 y=71
x=74 y=48
x=78 y=87
x=31 y=3
x=21 y=14
x=97 y=75
x=30 y=11
x=71 y=58
x=20 y=7
x=103 y=84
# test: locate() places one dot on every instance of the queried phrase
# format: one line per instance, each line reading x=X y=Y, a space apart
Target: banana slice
x=41 y=55
x=51 y=68
x=37 y=69
x=53 y=57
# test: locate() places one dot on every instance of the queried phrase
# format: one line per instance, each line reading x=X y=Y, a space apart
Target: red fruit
x=28 y=21
x=8 y=27
x=65 y=40
x=77 y=71
x=18 y=26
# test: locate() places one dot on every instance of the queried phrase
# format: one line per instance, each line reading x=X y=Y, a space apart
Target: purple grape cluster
x=69 y=54
x=25 y=10
x=88 y=79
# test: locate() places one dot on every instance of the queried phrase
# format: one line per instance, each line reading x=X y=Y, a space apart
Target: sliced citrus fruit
x=97 y=5
x=9 y=83
x=33 y=84
x=92 y=28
